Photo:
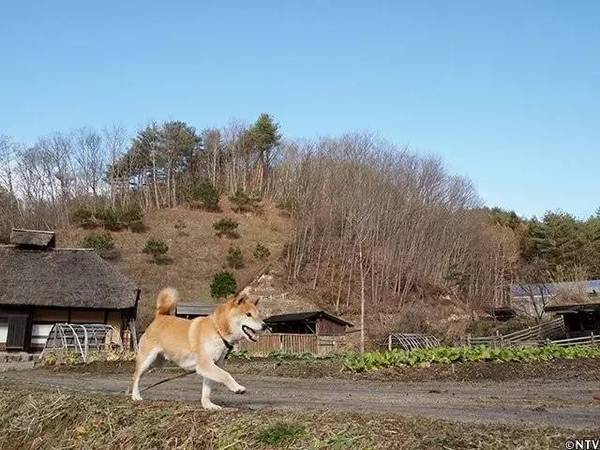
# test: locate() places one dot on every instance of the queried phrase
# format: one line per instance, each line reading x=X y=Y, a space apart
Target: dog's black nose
x=264 y=326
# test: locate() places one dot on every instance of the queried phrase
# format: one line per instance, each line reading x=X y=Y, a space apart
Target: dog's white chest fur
x=188 y=362
x=215 y=350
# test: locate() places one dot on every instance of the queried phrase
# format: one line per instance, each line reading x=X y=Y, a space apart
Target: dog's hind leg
x=207 y=385
x=145 y=358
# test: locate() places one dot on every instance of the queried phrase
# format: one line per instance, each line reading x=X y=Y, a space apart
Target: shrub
x=102 y=243
x=226 y=227
x=84 y=217
x=261 y=252
x=98 y=241
x=235 y=258
x=156 y=248
x=243 y=202
x=180 y=226
x=111 y=219
x=131 y=214
x=223 y=284
x=205 y=196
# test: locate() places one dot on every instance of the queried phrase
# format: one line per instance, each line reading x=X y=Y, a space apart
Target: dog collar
x=228 y=346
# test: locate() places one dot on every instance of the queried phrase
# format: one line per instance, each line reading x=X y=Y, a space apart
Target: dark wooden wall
x=582 y=323
x=320 y=327
x=326 y=327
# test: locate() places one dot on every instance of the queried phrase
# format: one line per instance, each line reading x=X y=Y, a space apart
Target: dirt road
x=565 y=404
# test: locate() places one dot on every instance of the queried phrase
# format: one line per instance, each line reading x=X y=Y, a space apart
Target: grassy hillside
x=196 y=252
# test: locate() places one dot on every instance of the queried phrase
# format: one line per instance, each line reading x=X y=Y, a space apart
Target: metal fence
x=410 y=341
x=80 y=338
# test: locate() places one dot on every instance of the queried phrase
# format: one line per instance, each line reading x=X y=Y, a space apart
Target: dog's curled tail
x=166 y=300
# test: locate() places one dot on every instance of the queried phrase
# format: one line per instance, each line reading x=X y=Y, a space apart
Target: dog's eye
x=249 y=315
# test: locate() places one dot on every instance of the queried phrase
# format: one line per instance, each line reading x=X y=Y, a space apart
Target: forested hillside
x=556 y=247
x=365 y=220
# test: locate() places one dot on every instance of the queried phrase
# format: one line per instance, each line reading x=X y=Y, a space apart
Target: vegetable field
x=447 y=355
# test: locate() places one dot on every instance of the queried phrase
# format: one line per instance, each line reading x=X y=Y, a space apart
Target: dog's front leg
x=209 y=369
x=207 y=384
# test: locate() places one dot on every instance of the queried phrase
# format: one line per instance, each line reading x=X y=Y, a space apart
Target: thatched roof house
x=41 y=285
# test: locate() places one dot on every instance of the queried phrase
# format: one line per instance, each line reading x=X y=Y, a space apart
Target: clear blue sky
x=506 y=92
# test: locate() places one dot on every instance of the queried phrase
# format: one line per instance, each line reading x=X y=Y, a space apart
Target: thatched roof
x=32 y=238
x=62 y=277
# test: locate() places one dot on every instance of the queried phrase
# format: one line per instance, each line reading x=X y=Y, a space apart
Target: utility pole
x=362 y=299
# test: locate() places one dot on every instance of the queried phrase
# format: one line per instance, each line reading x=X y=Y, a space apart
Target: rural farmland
x=316 y=225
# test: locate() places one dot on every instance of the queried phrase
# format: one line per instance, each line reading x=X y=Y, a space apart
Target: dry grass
x=45 y=419
x=196 y=252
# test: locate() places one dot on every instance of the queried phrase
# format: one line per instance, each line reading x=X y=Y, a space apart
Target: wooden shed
x=41 y=285
x=316 y=332
x=320 y=323
x=580 y=319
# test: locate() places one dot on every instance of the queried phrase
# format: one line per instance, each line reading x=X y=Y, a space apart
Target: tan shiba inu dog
x=199 y=343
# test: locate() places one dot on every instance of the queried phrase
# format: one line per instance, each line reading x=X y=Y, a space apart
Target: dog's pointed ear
x=240 y=298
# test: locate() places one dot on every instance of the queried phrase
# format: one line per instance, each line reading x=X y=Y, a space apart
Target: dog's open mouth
x=249 y=332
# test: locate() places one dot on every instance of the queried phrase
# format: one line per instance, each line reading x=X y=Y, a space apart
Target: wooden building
x=580 y=320
x=319 y=323
x=41 y=285
x=316 y=332
x=502 y=313
x=532 y=299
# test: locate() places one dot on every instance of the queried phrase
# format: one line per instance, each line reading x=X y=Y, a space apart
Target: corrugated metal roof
x=195 y=309
x=551 y=289
x=584 y=307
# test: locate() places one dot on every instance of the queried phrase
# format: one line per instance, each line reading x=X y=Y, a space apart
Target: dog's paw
x=240 y=390
x=136 y=397
x=211 y=407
